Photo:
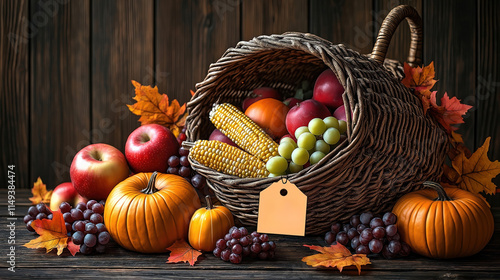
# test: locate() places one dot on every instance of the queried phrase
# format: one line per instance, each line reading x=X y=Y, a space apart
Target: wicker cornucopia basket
x=392 y=147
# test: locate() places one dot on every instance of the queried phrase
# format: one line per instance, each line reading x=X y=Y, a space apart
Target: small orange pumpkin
x=454 y=223
x=270 y=114
x=208 y=225
x=148 y=212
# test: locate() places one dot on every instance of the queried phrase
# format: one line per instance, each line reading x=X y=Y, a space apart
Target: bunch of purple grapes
x=37 y=212
x=85 y=224
x=179 y=165
x=238 y=244
x=367 y=233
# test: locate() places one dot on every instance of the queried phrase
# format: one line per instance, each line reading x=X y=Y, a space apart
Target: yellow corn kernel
x=227 y=159
x=243 y=131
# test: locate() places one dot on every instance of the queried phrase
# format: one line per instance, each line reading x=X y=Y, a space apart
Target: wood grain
x=488 y=82
x=449 y=41
x=347 y=22
x=262 y=17
x=400 y=43
x=14 y=88
x=122 y=50
x=118 y=262
x=192 y=36
x=59 y=88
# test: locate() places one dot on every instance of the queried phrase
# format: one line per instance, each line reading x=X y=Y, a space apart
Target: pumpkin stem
x=209 y=202
x=150 y=189
x=442 y=195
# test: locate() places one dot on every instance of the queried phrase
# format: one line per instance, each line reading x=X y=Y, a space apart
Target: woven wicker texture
x=392 y=147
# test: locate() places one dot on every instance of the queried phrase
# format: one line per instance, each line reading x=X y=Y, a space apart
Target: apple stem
x=209 y=202
x=150 y=189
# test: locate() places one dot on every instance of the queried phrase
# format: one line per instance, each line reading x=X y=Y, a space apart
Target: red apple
x=149 y=147
x=328 y=90
x=340 y=113
x=65 y=192
x=96 y=169
x=258 y=94
x=219 y=136
x=303 y=112
x=292 y=101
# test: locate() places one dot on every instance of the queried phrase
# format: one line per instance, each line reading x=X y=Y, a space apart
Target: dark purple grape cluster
x=237 y=244
x=85 y=224
x=367 y=233
x=37 y=212
x=179 y=165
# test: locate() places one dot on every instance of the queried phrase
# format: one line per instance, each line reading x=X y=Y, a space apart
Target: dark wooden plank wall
x=66 y=83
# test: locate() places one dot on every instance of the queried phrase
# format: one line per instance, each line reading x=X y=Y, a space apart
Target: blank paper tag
x=282 y=209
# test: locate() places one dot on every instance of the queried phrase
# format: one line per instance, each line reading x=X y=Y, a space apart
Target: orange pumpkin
x=450 y=224
x=208 y=225
x=148 y=212
x=270 y=114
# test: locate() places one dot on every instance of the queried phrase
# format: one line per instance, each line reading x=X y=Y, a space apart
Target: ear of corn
x=227 y=159
x=243 y=131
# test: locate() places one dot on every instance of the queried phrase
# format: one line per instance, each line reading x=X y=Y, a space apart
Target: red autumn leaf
x=335 y=256
x=450 y=111
x=52 y=233
x=180 y=251
x=154 y=107
x=418 y=78
x=73 y=248
x=40 y=193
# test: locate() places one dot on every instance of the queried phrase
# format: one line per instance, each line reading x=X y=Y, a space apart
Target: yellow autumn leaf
x=40 y=193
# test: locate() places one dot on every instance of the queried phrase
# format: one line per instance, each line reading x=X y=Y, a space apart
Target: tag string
x=284 y=178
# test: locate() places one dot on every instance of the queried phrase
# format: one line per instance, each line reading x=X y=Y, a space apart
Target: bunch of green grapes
x=314 y=142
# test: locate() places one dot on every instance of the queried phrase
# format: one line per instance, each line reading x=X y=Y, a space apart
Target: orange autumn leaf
x=457 y=146
x=52 y=233
x=40 y=193
x=180 y=251
x=474 y=173
x=154 y=107
x=450 y=111
x=418 y=78
x=425 y=98
x=335 y=256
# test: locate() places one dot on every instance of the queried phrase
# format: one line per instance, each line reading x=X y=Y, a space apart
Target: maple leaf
x=457 y=146
x=154 y=107
x=335 y=256
x=450 y=112
x=52 y=233
x=73 y=248
x=180 y=251
x=418 y=78
x=474 y=173
x=425 y=97
x=40 y=193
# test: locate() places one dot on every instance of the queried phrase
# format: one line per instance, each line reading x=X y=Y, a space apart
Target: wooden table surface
x=120 y=263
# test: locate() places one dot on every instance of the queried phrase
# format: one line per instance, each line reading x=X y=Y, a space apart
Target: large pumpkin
x=148 y=212
x=444 y=223
x=208 y=225
x=270 y=114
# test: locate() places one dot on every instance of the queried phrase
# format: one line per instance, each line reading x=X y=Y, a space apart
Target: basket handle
x=387 y=29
